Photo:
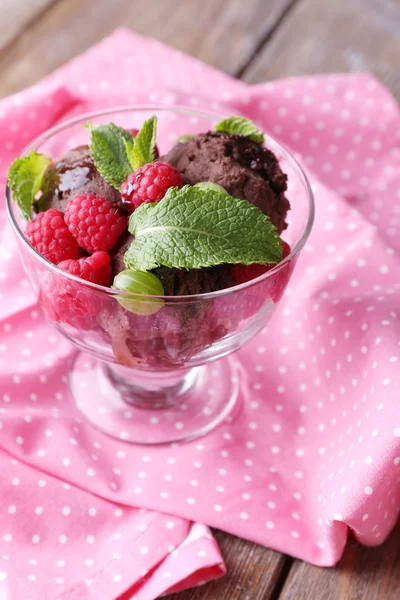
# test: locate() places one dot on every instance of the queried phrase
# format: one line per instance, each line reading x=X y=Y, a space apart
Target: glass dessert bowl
x=156 y=368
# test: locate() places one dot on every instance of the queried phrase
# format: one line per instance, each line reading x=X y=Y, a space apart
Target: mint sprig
x=142 y=150
x=109 y=153
x=192 y=228
x=116 y=153
x=242 y=126
x=26 y=179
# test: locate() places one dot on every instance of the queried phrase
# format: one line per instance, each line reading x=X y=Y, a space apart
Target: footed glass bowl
x=166 y=376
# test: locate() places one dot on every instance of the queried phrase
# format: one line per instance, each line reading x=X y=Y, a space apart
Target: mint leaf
x=25 y=178
x=184 y=138
x=192 y=228
x=142 y=150
x=108 y=148
x=242 y=126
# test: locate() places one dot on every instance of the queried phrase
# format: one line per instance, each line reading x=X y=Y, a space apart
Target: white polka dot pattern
x=317 y=444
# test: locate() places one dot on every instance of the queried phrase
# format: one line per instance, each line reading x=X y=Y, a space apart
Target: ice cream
x=77 y=201
x=245 y=168
x=74 y=174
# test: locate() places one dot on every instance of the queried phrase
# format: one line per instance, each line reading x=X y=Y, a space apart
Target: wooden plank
x=324 y=37
x=222 y=33
x=362 y=574
x=16 y=15
x=253 y=572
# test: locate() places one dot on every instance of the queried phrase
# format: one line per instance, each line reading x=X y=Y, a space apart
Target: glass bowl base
x=154 y=408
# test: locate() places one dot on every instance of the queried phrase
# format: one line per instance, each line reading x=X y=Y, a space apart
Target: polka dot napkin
x=316 y=447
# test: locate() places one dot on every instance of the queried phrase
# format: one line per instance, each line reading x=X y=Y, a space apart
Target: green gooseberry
x=183 y=138
x=209 y=185
x=141 y=283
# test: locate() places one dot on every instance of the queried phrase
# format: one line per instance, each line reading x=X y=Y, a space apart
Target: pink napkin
x=316 y=448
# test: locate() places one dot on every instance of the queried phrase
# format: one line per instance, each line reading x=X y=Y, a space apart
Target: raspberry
x=49 y=234
x=69 y=302
x=243 y=273
x=149 y=184
x=94 y=222
x=95 y=268
x=285 y=249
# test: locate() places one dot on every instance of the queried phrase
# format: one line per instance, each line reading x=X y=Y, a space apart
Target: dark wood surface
x=220 y=32
x=362 y=574
x=322 y=36
x=253 y=573
x=256 y=40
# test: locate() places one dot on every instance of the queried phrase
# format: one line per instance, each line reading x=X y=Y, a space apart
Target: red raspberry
x=285 y=249
x=94 y=222
x=69 y=302
x=95 y=268
x=49 y=234
x=243 y=273
x=149 y=184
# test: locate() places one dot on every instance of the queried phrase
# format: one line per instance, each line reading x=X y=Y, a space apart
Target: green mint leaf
x=142 y=151
x=184 y=138
x=108 y=148
x=242 y=126
x=25 y=178
x=129 y=146
x=192 y=228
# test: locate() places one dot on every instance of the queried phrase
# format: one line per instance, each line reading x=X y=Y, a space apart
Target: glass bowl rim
x=270 y=142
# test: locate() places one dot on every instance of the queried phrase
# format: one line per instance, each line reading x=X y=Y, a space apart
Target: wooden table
x=255 y=40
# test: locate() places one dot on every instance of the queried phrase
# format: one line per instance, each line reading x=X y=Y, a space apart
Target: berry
x=66 y=301
x=95 y=268
x=94 y=222
x=149 y=184
x=138 y=282
x=209 y=185
x=285 y=249
x=71 y=302
x=243 y=273
x=49 y=234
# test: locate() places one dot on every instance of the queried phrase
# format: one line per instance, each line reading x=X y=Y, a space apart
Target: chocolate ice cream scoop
x=245 y=168
x=179 y=282
x=75 y=174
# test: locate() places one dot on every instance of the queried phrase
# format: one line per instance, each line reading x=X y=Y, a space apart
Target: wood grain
x=17 y=15
x=324 y=37
x=362 y=574
x=224 y=33
x=253 y=572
